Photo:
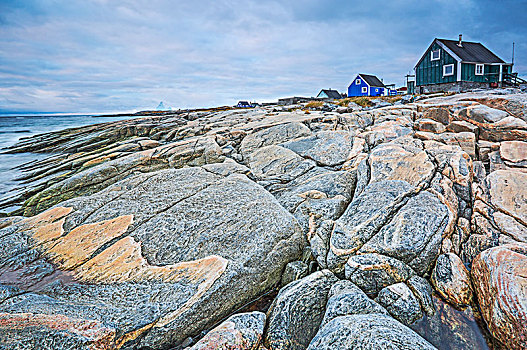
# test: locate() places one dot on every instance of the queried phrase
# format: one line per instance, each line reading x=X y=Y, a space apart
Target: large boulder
x=373 y=272
x=345 y=298
x=297 y=311
x=391 y=218
x=501 y=288
x=508 y=196
x=146 y=262
x=452 y=280
x=367 y=331
x=400 y=302
x=238 y=332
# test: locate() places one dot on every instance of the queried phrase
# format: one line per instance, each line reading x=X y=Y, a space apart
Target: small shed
x=367 y=85
x=329 y=93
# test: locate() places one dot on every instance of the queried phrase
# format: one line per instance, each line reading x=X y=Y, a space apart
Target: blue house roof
x=372 y=80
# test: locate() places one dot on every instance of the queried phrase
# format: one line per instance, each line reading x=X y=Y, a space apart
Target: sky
x=95 y=56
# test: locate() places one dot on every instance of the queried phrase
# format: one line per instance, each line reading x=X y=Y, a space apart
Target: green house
x=449 y=65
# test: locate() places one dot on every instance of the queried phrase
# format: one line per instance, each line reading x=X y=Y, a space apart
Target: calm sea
x=12 y=128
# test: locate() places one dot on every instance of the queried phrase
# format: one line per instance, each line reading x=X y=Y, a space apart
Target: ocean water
x=13 y=128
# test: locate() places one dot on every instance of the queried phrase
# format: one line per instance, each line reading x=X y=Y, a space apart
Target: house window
x=364 y=90
x=434 y=55
x=480 y=68
x=357 y=82
x=448 y=69
x=376 y=90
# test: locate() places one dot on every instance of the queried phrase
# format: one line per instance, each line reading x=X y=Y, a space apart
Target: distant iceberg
x=161 y=107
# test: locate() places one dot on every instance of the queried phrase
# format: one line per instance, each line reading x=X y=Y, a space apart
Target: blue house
x=367 y=85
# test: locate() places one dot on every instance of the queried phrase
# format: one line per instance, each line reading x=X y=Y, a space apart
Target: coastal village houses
x=450 y=65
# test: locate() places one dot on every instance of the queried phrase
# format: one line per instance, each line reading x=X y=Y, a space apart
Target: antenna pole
x=512 y=54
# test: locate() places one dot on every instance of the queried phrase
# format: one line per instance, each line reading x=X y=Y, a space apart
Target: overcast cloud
x=104 y=56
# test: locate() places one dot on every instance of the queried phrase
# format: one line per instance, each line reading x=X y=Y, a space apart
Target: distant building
x=331 y=94
x=450 y=65
x=244 y=104
x=368 y=85
x=294 y=100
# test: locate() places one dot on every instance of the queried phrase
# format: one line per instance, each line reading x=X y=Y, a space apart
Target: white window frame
x=377 y=90
x=444 y=70
x=357 y=81
x=482 y=66
x=364 y=90
x=438 y=55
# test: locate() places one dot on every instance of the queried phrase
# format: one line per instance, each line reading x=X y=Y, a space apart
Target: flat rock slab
x=326 y=148
x=272 y=136
x=514 y=151
x=146 y=262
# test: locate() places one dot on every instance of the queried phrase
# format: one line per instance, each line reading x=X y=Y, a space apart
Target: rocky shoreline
x=398 y=227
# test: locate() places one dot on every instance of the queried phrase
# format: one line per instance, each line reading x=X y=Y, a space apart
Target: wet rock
x=238 y=332
x=372 y=272
x=297 y=311
x=371 y=331
x=500 y=285
x=450 y=328
x=452 y=280
x=400 y=302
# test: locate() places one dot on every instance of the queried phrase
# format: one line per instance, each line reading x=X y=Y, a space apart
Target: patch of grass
x=393 y=99
x=314 y=104
x=363 y=101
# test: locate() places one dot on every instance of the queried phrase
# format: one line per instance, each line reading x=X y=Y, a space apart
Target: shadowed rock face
x=148 y=233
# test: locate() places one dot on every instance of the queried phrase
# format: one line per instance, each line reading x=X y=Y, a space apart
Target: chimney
x=459 y=43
